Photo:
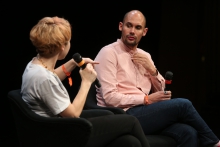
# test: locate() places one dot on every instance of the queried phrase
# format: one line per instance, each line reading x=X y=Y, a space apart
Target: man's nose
x=132 y=30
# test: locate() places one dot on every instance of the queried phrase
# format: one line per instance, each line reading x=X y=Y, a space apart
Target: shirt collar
x=125 y=48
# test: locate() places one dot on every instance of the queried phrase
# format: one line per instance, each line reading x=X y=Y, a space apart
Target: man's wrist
x=146 y=100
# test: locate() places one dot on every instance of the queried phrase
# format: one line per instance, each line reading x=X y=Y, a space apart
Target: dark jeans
x=176 y=118
x=111 y=130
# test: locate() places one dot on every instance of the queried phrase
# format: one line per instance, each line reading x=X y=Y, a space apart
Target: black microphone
x=78 y=59
x=168 y=80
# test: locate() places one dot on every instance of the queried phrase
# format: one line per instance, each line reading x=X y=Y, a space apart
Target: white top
x=43 y=91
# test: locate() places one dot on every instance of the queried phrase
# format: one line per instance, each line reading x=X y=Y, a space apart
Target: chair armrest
x=54 y=132
x=91 y=105
x=36 y=130
x=45 y=131
x=115 y=110
x=95 y=113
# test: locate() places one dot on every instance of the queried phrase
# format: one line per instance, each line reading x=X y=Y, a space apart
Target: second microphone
x=78 y=59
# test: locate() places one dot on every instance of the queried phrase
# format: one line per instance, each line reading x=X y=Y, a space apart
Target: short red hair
x=50 y=34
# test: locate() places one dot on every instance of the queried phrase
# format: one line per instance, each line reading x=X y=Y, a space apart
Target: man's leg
x=158 y=116
x=185 y=135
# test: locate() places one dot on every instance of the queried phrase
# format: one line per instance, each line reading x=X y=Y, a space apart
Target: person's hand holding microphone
x=89 y=73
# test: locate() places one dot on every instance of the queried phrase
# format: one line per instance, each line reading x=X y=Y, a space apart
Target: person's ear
x=120 y=26
x=145 y=31
x=62 y=47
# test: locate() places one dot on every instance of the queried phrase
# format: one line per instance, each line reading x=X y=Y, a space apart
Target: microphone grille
x=168 y=75
x=77 y=57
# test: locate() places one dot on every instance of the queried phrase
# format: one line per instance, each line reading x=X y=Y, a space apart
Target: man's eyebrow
x=128 y=22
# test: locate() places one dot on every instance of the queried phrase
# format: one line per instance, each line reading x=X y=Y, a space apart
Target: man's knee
x=183 y=101
x=182 y=133
x=189 y=131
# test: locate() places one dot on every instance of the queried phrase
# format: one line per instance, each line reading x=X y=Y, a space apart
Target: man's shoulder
x=111 y=45
x=108 y=51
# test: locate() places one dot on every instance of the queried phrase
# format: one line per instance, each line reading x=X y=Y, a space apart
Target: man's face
x=133 y=28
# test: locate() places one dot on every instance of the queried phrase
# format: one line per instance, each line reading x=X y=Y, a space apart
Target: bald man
x=131 y=81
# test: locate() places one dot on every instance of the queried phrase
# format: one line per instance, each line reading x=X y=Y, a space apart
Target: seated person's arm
x=75 y=108
x=157 y=80
x=69 y=66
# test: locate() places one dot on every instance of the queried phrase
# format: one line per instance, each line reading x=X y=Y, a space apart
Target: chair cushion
x=160 y=140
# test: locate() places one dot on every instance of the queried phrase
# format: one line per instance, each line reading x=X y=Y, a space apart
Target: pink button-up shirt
x=123 y=84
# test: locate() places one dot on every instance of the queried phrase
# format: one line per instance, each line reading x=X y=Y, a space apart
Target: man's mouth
x=131 y=38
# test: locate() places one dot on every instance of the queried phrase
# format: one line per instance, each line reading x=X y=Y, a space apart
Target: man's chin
x=131 y=43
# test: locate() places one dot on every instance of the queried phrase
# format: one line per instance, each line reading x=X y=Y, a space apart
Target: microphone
x=78 y=59
x=168 y=80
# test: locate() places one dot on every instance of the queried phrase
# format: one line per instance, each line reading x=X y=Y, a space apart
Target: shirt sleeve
x=107 y=75
x=158 y=82
x=54 y=97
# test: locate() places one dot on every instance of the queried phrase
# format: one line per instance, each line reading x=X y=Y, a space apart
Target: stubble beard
x=129 y=43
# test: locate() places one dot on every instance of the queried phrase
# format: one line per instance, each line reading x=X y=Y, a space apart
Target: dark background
x=183 y=37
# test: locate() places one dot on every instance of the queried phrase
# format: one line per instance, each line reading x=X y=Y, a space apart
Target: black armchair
x=34 y=130
x=91 y=102
x=154 y=140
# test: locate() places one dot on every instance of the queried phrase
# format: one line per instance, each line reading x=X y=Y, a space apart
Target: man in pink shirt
x=130 y=80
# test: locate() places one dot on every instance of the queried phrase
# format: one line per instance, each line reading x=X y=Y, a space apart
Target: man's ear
x=145 y=31
x=120 y=26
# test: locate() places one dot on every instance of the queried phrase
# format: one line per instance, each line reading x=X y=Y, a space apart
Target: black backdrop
x=174 y=29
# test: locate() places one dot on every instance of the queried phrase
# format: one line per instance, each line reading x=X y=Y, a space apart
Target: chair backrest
x=35 y=130
x=91 y=102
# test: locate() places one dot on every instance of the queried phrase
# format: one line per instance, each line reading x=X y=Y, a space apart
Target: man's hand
x=142 y=59
x=159 y=96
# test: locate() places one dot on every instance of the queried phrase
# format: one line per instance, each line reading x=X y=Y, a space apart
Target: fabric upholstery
x=154 y=140
x=34 y=130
